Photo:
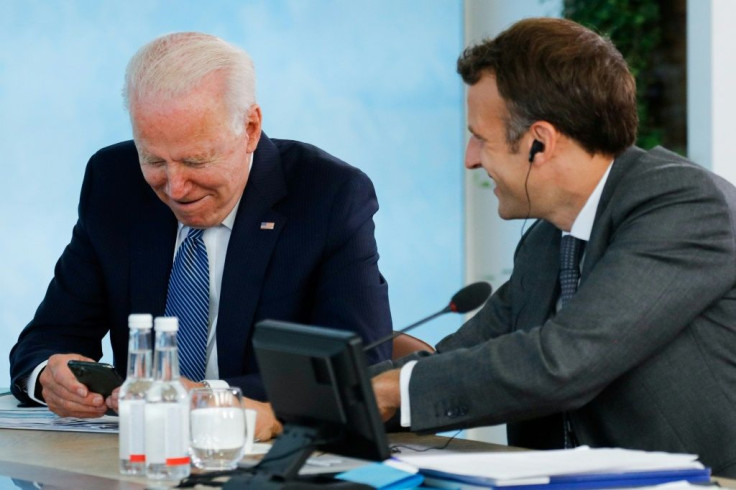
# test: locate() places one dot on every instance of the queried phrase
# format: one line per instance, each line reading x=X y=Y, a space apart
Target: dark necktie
x=571 y=251
x=188 y=299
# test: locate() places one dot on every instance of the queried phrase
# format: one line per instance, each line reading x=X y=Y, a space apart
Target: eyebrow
x=192 y=159
x=148 y=158
x=475 y=134
x=201 y=157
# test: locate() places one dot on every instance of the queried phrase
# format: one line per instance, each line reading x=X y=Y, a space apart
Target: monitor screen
x=316 y=378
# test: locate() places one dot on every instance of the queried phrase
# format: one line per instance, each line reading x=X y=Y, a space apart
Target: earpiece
x=537 y=146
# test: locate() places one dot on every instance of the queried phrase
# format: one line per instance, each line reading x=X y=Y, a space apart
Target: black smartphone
x=97 y=376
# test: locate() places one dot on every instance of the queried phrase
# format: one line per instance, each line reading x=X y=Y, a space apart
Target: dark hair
x=558 y=71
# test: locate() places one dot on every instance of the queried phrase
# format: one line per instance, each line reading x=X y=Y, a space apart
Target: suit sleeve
x=71 y=317
x=351 y=293
x=342 y=287
x=492 y=320
x=670 y=256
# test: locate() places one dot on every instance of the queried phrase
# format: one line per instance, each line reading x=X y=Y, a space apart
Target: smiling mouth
x=187 y=203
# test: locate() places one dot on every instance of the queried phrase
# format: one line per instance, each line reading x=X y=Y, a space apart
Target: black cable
x=319 y=442
x=528 y=199
x=206 y=479
x=395 y=447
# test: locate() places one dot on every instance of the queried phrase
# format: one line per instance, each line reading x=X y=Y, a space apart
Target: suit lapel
x=539 y=260
x=254 y=236
x=539 y=256
x=600 y=234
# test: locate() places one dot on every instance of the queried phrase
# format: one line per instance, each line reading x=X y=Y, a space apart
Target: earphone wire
x=528 y=199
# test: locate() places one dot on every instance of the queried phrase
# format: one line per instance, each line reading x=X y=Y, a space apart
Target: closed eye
x=195 y=163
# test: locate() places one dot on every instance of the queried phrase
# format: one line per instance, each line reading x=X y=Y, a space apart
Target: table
x=84 y=460
x=90 y=461
x=64 y=459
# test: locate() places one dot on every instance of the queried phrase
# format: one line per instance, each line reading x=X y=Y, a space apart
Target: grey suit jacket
x=643 y=356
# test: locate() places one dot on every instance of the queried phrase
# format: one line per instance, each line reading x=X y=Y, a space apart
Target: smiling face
x=488 y=148
x=190 y=155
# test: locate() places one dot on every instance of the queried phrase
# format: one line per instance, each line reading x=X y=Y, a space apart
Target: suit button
x=451 y=413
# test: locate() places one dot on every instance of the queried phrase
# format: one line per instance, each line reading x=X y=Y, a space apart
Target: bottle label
x=167 y=434
x=132 y=430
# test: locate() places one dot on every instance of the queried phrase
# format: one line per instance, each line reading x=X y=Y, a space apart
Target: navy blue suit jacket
x=318 y=265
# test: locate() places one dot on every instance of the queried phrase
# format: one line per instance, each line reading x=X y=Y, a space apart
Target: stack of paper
x=41 y=418
x=577 y=468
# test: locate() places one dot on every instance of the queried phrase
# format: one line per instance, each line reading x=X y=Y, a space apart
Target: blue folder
x=383 y=477
x=585 y=480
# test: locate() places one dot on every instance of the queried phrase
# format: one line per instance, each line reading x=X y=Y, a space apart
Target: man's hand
x=189 y=384
x=113 y=400
x=388 y=393
x=267 y=426
x=66 y=396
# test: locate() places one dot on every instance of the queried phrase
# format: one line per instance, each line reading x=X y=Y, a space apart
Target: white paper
x=41 y=418
x=536 y=466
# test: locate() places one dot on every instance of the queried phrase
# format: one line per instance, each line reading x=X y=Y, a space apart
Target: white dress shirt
x=215 y=240
x=581 y=228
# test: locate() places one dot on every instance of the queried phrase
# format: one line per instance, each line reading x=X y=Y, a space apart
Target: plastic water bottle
x=132 y=398
x=167 y=409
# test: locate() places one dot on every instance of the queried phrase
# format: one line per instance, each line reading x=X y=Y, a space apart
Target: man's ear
x=544 y=141
x=253 y=127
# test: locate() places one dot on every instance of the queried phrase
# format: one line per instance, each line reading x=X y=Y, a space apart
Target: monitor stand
x=280 y=467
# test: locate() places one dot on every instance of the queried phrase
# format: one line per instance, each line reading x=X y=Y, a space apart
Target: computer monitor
x=317 y=382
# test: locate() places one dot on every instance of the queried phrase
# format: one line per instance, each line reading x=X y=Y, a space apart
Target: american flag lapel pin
x=267 y=225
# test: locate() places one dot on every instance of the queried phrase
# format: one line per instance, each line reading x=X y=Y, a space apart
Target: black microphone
x=468 y=298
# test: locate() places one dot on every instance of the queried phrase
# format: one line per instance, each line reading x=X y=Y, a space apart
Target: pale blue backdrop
x=371 y=81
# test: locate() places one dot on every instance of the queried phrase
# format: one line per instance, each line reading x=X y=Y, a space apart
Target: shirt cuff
x=32 y=379
x=404 y=378
x=216 y=383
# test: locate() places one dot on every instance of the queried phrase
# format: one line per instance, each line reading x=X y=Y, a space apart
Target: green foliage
x=634 y=28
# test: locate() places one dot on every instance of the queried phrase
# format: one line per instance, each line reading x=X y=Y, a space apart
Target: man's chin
x=200 y=214
x=509 y=214
x=196 y=221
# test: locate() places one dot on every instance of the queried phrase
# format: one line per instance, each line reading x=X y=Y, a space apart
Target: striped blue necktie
x=188 y=299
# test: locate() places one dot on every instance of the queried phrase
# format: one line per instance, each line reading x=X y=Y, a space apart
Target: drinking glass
x=217 y=427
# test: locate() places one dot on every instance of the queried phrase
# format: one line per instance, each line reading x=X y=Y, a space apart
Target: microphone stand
x=406 y=329
x=468 y=298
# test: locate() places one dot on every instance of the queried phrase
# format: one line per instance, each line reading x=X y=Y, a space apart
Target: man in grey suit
x=643 y=354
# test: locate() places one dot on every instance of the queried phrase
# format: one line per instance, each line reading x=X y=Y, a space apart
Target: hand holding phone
x=98 y=377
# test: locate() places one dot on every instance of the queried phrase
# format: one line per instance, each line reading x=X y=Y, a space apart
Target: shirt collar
x=583 y=224
x=228 y=222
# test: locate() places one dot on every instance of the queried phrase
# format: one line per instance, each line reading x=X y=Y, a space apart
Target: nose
x=177 y=182
x=472 y=153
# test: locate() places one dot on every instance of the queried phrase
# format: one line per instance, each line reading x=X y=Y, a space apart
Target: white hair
x=172 y=65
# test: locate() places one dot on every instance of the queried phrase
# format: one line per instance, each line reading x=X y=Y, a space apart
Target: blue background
x=370 y=81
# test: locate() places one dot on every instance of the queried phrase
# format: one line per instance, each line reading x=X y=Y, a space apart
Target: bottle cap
x=142 y=321
x=166 y=324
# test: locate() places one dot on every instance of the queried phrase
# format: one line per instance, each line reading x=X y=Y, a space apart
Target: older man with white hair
x=280 y=229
